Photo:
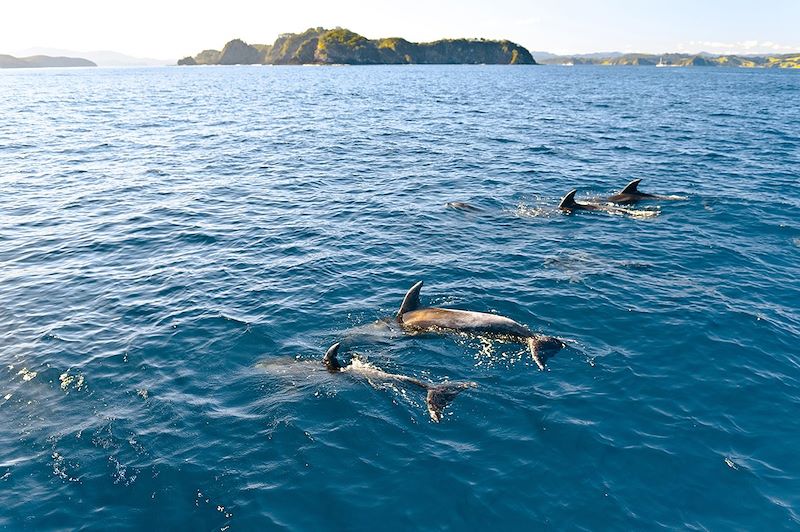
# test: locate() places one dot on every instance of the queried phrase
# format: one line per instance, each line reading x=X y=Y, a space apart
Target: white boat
x=661 y=62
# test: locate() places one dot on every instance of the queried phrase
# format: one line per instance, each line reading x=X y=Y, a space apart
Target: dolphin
x=630 y=194
x=461 y=206
x=413 y=318
x=569 y=205
x=438 y=395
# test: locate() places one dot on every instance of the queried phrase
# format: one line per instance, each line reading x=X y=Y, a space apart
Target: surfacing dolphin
x=462 y=206
x=569 y=205
x=438 y=396
x=413 y=318
x=631 y=194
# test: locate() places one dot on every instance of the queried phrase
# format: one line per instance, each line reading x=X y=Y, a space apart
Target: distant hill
x=342 y=46
x=596 y=55
x=540 y=56
x=43 y=61
x=680 y=60
x=101 y=57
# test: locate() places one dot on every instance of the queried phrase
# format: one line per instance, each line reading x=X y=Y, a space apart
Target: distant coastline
x=320 y=46
x=43 y=61
x=341 y=46
x=102 y=58
x=673 y=60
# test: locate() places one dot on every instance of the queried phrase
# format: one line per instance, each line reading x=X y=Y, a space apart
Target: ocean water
x=179 y=246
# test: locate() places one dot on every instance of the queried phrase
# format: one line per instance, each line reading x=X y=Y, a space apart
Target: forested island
x=677 y=60
x=43 y=61
x=341 y=46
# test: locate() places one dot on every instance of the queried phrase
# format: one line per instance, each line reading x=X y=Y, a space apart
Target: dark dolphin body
x=438 y=396
x=412 y=318
x=569 y=205
x=630 y=194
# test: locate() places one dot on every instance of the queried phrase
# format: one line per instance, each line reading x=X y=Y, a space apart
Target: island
x=320 y=46
x=43 y=61
x=676 y=60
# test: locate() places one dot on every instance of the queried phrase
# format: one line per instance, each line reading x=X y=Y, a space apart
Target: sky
x=166 y=29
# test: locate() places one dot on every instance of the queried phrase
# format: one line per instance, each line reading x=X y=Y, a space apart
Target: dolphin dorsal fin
x=632 y=187
x=411 y=301
x=568 y=201
x=330 y=360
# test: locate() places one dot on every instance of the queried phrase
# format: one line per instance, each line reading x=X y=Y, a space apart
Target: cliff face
x=342 y=46
x=295 y=48
x=238 y=52
x=475 y=52
x=206 y=57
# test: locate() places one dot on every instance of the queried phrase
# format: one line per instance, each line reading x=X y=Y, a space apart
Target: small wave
x=674 y=197
x=196 y=237
x=234 y=319
x=718 y=156
x=637 y=213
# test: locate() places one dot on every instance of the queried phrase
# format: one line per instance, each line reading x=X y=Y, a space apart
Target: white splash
x=27 y=374
x=67 y=380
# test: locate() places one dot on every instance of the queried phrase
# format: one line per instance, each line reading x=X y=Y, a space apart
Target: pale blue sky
x=171 y=29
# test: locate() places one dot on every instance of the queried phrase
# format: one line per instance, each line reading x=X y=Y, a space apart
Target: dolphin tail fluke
x=534 y=345
x=568 y=201
x=544 y=347
x=441 y=395
x=411 y=301
x=632 y=187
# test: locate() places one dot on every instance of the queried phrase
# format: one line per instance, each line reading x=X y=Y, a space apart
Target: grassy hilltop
x=342 y=46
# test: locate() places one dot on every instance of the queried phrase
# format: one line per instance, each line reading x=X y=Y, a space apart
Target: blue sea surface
x=179 y=246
